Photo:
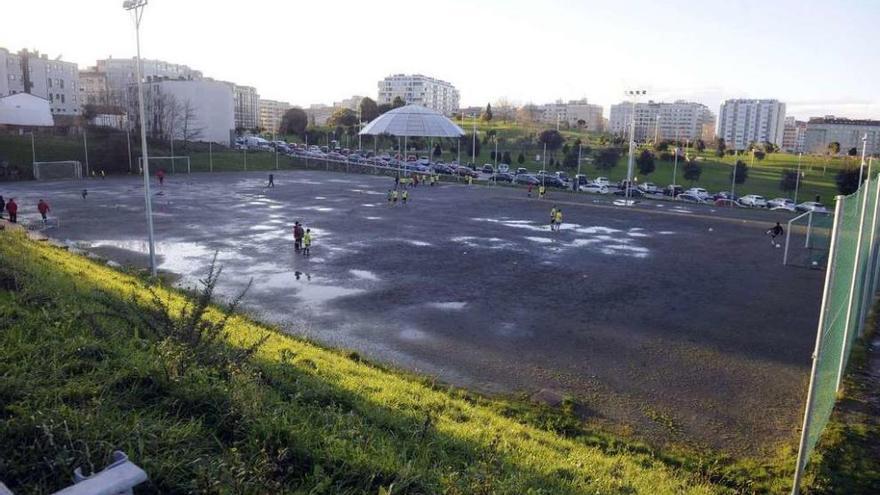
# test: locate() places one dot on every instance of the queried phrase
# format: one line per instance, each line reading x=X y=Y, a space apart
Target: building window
x=50 y=82
x=61 y=82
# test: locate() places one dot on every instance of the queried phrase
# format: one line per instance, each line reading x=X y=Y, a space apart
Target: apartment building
x=743 y=122
x=271 y=112
x=417 y=89
x=658 y=121
x=793 y=135
x=822 y=131
x=247 y=106
x=120 y=73
x=32 y=72
x=93 y=87
x=573 y=112
x=195 y=110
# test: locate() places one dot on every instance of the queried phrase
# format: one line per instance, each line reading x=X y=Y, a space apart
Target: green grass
x=77 y=384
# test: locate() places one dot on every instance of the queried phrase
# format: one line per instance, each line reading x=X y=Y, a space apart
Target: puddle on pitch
x=364 y=274
x=448 y=305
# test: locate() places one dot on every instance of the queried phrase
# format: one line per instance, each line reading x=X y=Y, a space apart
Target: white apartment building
x=821 y=131
x=271 y=112
x=573 y=112
x=417 y=89
x=745 y=121
x=122 y=72
x=212 y=115
x=33 y=72
x=658 y=121
x=352 y=103
x=93 y=87
x=793 y=135
x=319 y=113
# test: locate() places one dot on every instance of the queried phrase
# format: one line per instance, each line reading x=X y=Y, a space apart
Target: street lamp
x=136 y=7
x=632 y=137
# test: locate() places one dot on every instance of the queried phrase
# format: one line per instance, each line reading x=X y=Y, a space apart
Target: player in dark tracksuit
x=775 y=232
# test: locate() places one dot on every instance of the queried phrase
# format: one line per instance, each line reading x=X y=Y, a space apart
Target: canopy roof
x=412 y=120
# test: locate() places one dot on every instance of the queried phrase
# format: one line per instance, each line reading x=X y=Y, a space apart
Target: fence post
x=210 y=156
x=808 y=410
x=809 y=230
x=787 y=238
x=847 y=329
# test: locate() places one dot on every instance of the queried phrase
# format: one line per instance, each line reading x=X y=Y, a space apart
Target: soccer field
x=677 y=322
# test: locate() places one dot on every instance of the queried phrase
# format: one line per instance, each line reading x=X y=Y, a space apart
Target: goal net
x=171 y=164
x=57 y=170
x=807 y=240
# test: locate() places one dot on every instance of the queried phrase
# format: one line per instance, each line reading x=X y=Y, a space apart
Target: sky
x=819 y=57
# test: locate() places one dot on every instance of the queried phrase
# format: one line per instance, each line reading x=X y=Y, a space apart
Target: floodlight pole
x=128 y=140
x=33 y=150
x=797 y=182
x=86 y=149
x=137 y=6
x=474 y=146
x=864 y=149
x=632 y=139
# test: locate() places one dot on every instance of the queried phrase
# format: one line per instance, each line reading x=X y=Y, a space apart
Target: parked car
x=562 y=176
x=690 y=198
x=581 y=180
x=594 y=188
x=501 y=177
x=521 y=170
x=602 y=181
x=634 y=192
x=754 y=201
x=440 y=168
x=649 y=188
x=527 y=179
x=724 y=195
x=813 y=206
x=466 y=171
x=488 y=169
x=727 y=202
x=673 y=190
x=784 y=203
x=552 y=181
x=503 y=168
x=699 y=192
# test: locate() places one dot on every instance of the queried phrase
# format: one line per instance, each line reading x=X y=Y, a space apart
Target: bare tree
x=528 y=114
x=192 y=131
x=504 y=109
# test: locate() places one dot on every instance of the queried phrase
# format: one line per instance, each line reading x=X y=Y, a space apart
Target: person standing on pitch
x=12 y=209
x=552 y=217
x=297 y=236
x=84 y=193
x=307 y=242
x=394 y=197
x=160 y=174
x=775 y=232
x=558 y=220
x=43 y=208
x=541 y=191
x=271 y=181
x=530 y=189
x=404 y=196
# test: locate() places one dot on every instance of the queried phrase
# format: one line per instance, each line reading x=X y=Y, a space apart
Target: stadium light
x=632 y=138
x=137 y=9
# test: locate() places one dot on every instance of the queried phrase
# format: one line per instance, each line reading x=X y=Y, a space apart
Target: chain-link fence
x=850 y=285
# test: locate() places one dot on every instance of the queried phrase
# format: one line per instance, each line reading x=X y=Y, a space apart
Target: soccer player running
x=553 y=218
x=43 y=208
x=558 y=219
x=271 y=181
x=775 y=232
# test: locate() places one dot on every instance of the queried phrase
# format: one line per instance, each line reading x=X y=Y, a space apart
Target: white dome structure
x=412 y=121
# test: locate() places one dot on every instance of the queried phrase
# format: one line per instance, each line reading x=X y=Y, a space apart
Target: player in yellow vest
x=558 y=219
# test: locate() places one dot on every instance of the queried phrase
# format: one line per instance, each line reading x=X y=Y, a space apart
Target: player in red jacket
x=161 y=176
x=12 y=209
x=43 y=208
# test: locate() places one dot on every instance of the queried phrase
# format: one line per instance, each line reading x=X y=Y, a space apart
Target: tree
x=570 y=159
x=383 y=108
x=692 y=171
x=833 y=148
x=759 y=154
x=487 y=113
x=848 y=180
x=851 y=152
x=700 y=145
x=607 y=158
x=528 y=114
x=741 y=170
x=369 y=109
x=492 y=155
x=294 y=121
x=788 y=181
x=342 y=117
x=521 y=158
x=552 y=138
x=189 y=123
x=397 y=102
x=661 y=146
x=89 y=112
x=467 y=143
x=437 y=150
x=503 y=109
x=505 y=158
x=720 y=146
x=666 y=156
x=770 y=147
x=645 y=162
x=565 y=148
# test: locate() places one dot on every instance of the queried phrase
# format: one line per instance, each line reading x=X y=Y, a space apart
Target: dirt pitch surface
x=677 y=322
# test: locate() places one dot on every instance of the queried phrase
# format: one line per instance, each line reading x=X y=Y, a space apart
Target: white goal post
x=162 y=161
x=69 y=169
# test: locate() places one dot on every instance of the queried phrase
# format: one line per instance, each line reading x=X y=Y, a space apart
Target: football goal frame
x=41 y=170
x=812 y=240
x=166 y=159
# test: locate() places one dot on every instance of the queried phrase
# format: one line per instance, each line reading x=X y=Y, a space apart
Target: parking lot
x=675 y=321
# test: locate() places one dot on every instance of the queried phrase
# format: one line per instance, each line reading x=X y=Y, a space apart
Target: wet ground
x=676 y=322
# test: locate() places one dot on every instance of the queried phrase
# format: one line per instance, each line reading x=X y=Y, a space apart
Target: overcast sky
x=820 y=57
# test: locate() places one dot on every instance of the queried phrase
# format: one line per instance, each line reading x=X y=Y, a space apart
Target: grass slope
x=76 y=384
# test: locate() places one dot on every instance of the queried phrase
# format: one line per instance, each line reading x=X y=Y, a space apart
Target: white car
x=601 y=181
x=753 y=200
x=649 y=188
x=781 y=204
x=698 y=192
x=595 y=188
x=813 y=206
